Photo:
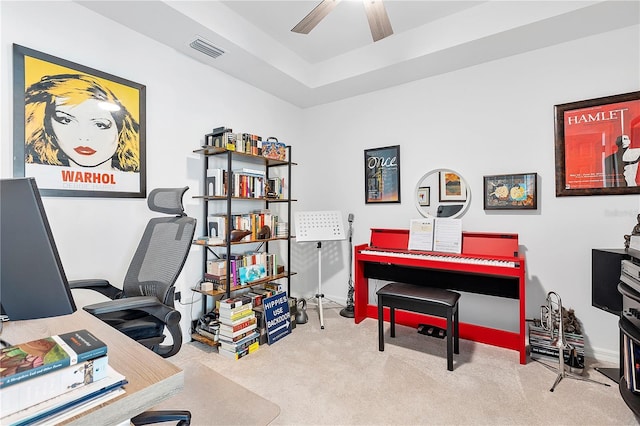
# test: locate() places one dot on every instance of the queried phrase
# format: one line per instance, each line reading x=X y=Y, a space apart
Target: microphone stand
x=348 y=311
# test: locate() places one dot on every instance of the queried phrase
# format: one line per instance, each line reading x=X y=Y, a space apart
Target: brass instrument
x=552 y=321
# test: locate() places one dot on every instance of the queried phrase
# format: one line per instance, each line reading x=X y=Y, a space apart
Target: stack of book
x=238 y=335
x=540 y=346
x=55 y=377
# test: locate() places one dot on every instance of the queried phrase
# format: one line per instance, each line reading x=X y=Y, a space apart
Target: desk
x=152 y=379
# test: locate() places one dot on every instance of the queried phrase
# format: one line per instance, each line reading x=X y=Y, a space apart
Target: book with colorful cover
x=41 y=356
x=26 y=393
x=247 y=274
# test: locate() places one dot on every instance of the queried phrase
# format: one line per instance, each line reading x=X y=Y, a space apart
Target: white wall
x=185 y=99
x=490 y=119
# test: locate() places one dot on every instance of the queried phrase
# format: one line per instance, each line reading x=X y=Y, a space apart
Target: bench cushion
x=420 y=293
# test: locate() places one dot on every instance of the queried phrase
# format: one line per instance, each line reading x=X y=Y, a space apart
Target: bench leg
x=450 y=339
x=380 y=324
x=456 y=331
x=392 y=320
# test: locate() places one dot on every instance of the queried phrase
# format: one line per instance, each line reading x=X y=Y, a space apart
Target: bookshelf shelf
x=251 y=284
x=233 y=243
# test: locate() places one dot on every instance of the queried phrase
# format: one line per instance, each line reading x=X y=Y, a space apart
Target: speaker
x=605 y=276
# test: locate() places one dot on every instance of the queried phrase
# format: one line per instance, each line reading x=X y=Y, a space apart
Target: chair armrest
x=99 y=285
x=152 y=306
x=149 y=304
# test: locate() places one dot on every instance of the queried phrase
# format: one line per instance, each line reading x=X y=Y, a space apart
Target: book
x=256 y=299
x=241 y=335
x=236 y=317
x=68 y=400
x=234 y=302
x=241 y=344
x=41 y=356
x=26 y=393
x=233 y=313
x=247 y=274
x=206 y=333
x=436 y=234
x=249 y=171
x=233 y=326
x=635 y=364
x=230 y=335
x=239 y=326
x=237 y=355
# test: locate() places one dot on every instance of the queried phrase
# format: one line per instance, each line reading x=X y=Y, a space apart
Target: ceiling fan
x=376 y=15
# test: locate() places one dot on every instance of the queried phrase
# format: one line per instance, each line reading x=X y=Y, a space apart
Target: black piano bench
x=425 y=300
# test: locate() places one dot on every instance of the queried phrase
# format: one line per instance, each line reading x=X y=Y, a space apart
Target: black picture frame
x=511 y=192
x=382 y=175
x=589 y=142
x=54 y=98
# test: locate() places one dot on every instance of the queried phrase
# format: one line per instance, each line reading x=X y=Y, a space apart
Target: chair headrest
x=167 y=200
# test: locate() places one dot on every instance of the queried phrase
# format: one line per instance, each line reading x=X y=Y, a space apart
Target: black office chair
x=145 y=304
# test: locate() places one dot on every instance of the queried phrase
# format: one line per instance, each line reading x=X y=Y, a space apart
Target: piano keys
x=489 y=264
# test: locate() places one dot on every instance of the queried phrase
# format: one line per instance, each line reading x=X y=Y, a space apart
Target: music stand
x=319 y=226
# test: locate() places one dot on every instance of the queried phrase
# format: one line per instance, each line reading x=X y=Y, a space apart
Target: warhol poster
x=78 y=131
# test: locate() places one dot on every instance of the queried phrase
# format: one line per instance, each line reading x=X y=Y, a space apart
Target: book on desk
x=55 y=375
x=27 y=360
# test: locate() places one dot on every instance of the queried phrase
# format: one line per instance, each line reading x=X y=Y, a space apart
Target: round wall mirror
x=442 y=193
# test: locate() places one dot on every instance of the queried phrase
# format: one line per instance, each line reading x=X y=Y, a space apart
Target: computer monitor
x=32 y=280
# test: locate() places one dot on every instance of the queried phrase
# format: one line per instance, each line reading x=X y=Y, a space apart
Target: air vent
x=205 y=47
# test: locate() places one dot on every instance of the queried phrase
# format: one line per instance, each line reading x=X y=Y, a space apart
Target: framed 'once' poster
x=382 y=175
x=78 y=131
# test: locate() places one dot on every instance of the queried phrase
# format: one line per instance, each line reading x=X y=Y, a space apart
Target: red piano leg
x=360 y=288
x=523 y=307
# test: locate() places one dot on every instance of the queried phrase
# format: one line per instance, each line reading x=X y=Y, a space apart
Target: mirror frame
x=431 y=210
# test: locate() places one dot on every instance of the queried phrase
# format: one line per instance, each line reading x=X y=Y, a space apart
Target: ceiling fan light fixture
x=206 y=47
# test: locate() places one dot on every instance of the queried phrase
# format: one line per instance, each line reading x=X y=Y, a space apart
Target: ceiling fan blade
x=315 y=16
x=378 y=19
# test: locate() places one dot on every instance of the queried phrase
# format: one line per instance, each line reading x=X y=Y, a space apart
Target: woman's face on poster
x=86 y=132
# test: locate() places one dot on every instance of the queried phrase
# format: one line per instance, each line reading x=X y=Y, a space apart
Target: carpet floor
x=337 y=376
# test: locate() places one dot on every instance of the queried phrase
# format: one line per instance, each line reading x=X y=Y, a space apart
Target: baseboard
x=603 y=355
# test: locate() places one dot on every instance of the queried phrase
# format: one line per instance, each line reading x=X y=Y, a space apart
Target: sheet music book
x=436 y=234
